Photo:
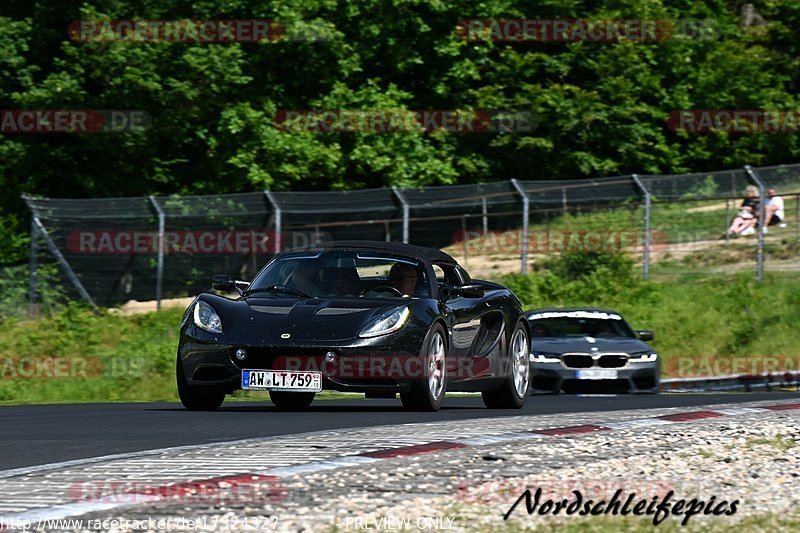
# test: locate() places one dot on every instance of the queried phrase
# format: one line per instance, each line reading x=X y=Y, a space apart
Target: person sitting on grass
x=773 y=210
x=745 y=221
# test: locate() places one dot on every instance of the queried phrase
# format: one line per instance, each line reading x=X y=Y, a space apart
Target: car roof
x=430 y=255
x=570 y=310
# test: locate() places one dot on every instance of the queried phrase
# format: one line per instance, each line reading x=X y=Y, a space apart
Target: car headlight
x=643 y=357
x=543 y=357
x=388 y=322
x=206 y=318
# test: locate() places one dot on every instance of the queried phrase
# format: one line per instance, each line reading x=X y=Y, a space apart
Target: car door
x=464 y=312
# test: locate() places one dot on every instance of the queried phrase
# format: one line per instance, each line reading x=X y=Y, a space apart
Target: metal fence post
x=797 y=214
x=727 y=218
x=464 y=234
x=485 y=216
x=525 y=212
x=60 y=258
x=761 y=207
x=33 y=266
x=278 y=215
x=160 y=263
x=647 y=226
x=406 y=212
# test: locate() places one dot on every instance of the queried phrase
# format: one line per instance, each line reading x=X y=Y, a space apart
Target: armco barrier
x=730 y=382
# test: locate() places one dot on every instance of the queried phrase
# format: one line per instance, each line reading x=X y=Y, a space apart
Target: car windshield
x=579 y=324
x=342 y=274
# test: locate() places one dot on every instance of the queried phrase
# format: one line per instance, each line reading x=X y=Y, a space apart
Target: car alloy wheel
x=513 y=389
x=426 y=392
x=436 y=367
x=521 y=361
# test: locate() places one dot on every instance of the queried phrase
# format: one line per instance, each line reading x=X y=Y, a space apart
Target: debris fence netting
x=111 y=250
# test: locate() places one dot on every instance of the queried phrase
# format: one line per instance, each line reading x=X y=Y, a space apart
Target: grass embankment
x=701 y=326
x=95 y=356
x=688 y=238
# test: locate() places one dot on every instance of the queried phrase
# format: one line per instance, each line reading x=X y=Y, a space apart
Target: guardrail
x=731 y=382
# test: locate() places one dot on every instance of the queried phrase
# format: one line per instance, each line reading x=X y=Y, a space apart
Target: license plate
x=282 y=380
x=596 y=373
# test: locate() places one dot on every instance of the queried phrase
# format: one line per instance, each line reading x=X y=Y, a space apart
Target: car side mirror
x=223 y=282
x=470 y=290
x=645 y=335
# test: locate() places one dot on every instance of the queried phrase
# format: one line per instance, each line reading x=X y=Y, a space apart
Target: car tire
x=427 y=391
x=291 y=401
x=514 y=389
x=195 y=398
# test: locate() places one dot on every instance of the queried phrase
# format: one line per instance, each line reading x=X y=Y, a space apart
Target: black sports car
x=588 y=349
x=358 y=316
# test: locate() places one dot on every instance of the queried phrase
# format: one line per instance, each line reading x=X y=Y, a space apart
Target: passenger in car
x=306 y=279
x=344 y=282
x=403 y=277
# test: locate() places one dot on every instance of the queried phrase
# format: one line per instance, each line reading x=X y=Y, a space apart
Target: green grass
x=676 y=222
x=782 y=444
x=115 y=358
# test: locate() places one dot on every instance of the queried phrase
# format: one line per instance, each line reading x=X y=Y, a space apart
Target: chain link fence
x=112 y=250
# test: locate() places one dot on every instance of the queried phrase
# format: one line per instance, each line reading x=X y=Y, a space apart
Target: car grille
x=612 y=360
x=578 y=360
x=602 y=360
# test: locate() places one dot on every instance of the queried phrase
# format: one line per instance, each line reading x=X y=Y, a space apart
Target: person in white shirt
x=773 y=211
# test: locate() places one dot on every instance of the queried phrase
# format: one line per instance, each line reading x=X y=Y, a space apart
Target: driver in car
x=305 y=278
x=403 y=277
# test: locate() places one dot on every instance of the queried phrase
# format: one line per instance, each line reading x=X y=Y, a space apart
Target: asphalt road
x=39 y=434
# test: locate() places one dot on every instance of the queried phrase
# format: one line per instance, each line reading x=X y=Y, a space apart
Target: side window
x=440 y=278
x=447 y=274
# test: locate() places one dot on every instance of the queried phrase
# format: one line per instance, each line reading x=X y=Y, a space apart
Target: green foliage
x=50 y=294
x=579 y=278
x=602 y=108
x=708 y=187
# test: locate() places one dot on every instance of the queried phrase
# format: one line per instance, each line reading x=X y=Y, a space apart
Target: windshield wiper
x=278 y=288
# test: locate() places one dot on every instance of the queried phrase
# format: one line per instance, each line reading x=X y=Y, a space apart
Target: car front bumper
x=368 y=368
x=632 y=378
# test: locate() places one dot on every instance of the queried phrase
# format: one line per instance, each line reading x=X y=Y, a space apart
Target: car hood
x=560 y=345
x=281 y=321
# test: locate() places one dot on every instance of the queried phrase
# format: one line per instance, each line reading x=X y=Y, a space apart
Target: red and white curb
x=173 y=492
